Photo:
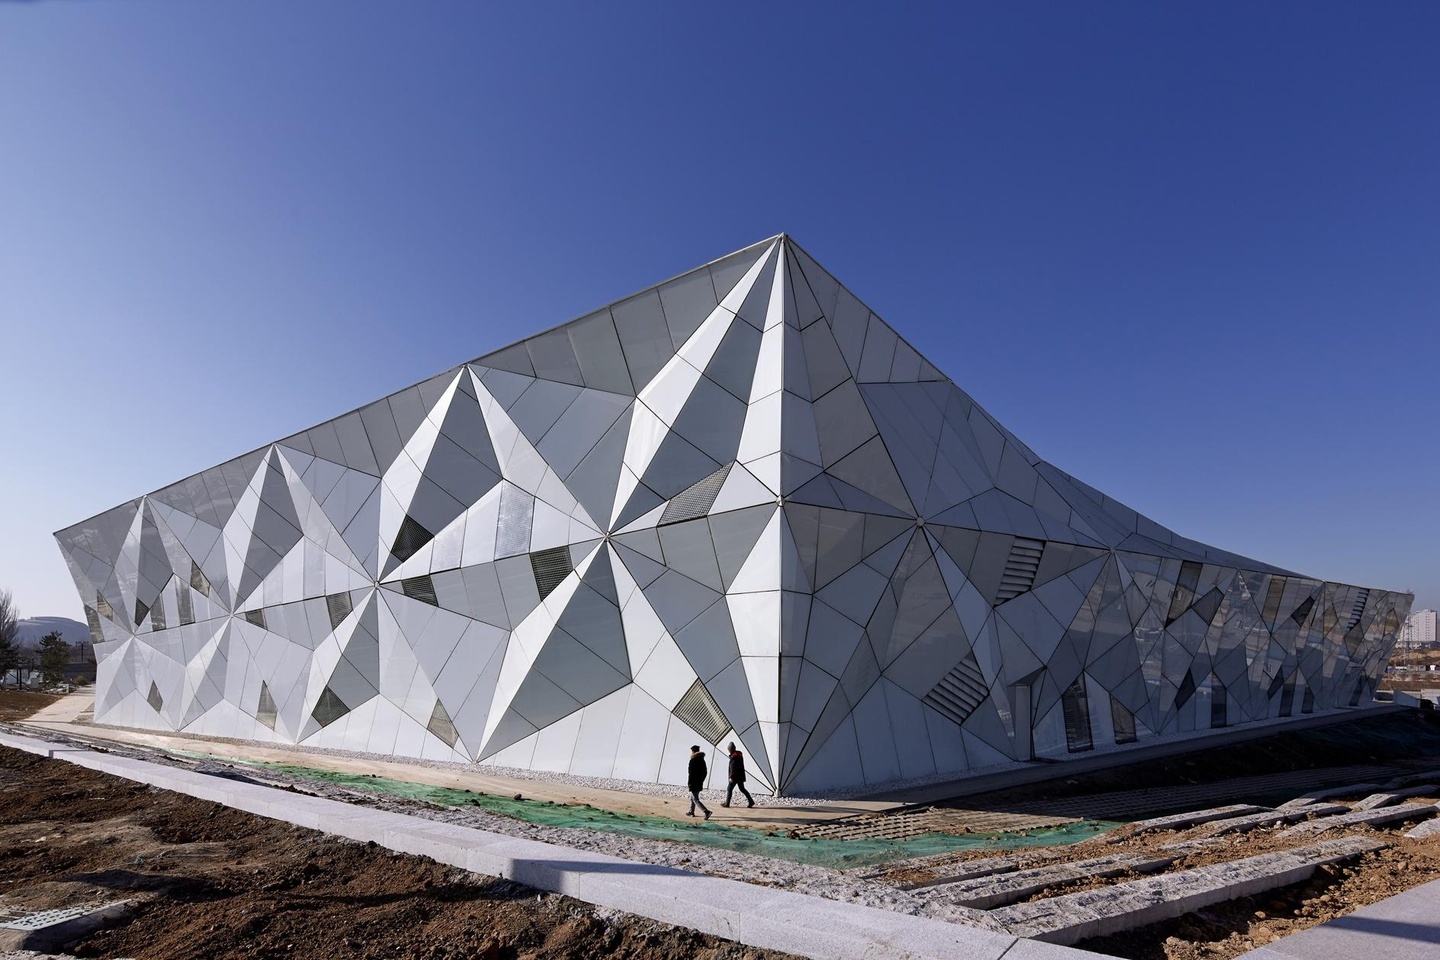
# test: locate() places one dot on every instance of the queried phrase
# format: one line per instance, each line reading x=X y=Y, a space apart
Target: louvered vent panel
x=329 y=708
x=699 y=711
x=420 y=588
x=265 y=710
x=512 y=533
x=338 y=605
x=256 y=617
x=1020 y=568
x=1358 y=611
x=696 y=500
x=550 y=567
x=959 y=692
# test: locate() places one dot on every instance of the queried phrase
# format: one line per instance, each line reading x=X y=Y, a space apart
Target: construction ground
x=1209 y=853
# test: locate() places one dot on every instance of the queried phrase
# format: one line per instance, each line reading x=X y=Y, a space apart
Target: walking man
x=737 y=776
x=696 y=782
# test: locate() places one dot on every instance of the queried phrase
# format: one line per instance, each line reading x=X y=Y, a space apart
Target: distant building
x=1419 y=631
x=735 y=506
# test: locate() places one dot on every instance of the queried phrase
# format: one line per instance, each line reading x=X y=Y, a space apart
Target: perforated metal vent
x=420 y=588
x=410 y=539
x=699 y=711
x=329 y=708
x=256 y=617
x=1076 y=707
x=959 y=692
x=265 y=710
x=1020 y=568
x=441 y=726
x=550 y=567
x=517 y=514
x=154 y=699
x=198 y=582
x=695 y=500
x=338 y=606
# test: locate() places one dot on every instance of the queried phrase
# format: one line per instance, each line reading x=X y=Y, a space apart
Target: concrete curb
x=755 y=916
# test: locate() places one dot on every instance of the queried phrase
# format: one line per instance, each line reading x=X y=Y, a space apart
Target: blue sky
x=1189 y=253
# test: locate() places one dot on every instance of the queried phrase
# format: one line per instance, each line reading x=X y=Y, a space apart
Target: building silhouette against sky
x=735 y=506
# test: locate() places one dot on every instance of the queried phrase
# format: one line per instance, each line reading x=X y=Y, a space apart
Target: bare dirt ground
x=19 y=704
x=208 y=881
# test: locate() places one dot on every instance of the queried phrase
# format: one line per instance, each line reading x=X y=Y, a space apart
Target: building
x=1418 y=631
x=737 y=505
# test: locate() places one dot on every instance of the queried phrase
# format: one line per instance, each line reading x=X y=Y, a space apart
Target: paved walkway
x=60 y=716
x=752 y=915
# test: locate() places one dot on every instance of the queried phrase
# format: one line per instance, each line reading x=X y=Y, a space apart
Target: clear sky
x=1189 y=253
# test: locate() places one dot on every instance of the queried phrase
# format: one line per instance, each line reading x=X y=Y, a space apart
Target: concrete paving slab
x=986 y=893
x=1356 y=818
x=1179 y=821
x=1270 y=818
x=1403 y=927
x=1427 y=829
x=1091 y=913
x=1392 y=797
x=1314 y=796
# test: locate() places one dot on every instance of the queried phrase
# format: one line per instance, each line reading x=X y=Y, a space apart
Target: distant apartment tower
x=1419 y=631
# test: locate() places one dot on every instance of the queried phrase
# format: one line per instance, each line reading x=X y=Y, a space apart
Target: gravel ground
x=516 y=773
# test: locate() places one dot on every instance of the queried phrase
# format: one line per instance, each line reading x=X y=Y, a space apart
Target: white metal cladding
x=742 y=484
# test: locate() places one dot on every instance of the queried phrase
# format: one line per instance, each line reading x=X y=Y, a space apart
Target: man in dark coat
x=737 y=776
x=698 y=772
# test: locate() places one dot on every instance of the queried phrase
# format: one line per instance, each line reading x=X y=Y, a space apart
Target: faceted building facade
x=735 y=506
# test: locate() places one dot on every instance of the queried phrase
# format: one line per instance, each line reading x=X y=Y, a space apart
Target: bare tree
x=9 y=627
